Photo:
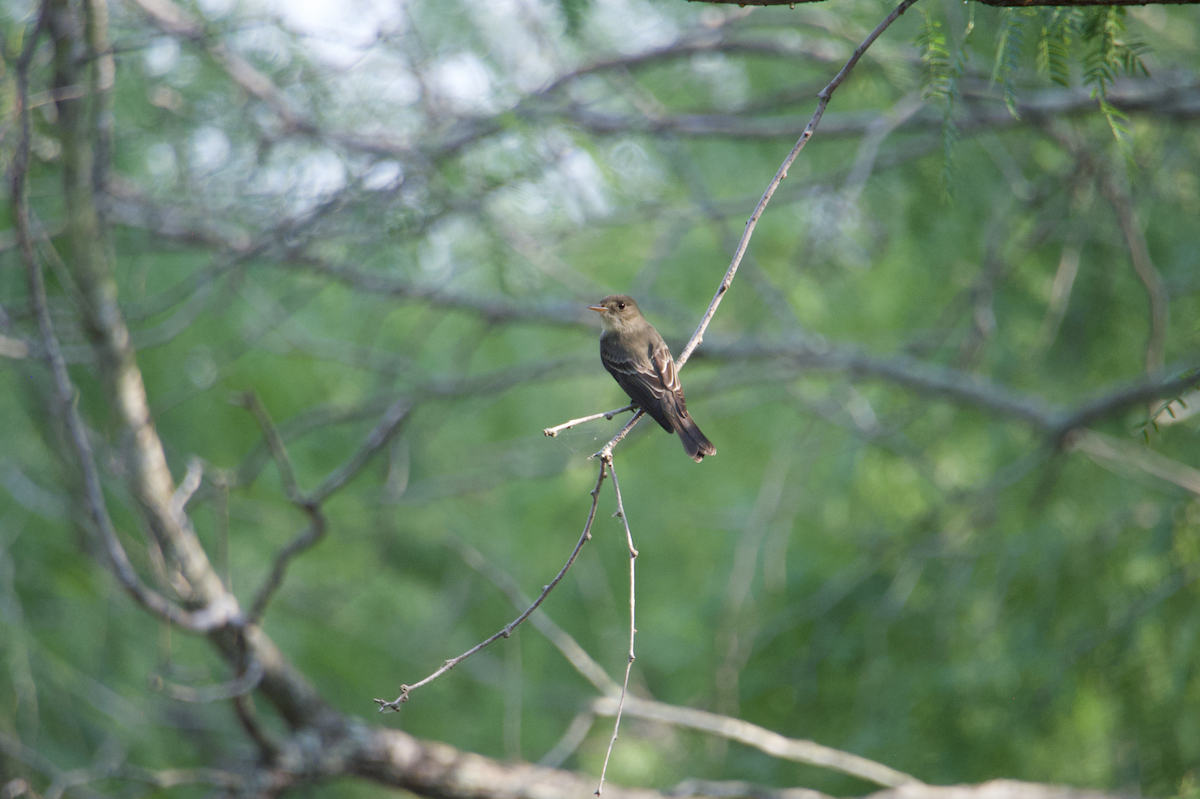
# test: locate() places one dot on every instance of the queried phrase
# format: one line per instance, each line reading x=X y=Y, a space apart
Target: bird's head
x=618 y=312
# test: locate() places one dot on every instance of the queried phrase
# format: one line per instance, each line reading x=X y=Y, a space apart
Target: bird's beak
x=597 y=308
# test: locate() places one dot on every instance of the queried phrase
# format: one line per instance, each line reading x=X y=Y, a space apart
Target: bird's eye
x=621 y=305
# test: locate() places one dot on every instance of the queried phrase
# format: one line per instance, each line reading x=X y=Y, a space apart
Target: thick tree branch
x=1016 y=3
x=969 y=389
x=977 y=111
x=65 y=396
x=104 y=323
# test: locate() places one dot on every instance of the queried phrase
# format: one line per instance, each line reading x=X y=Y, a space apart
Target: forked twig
x=633 y=553
x=795 y=749
x=605 y=452
x=310 y=502
x=551 y=432
x=506 y=631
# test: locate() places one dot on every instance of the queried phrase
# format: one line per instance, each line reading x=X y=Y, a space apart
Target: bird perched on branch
x=636 y=355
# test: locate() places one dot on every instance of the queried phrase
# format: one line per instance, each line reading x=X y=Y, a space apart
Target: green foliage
x=1108 y=53
x=940 y=78
x=1057 y=28
x=1096 y=38
x=1009 y=41
x=870 y=561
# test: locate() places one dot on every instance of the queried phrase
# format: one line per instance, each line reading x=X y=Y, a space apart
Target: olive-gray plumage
x=636 y=355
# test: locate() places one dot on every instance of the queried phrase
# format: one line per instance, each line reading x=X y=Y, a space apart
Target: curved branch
x=216 y=614
x=774 y=744
x=506 y=631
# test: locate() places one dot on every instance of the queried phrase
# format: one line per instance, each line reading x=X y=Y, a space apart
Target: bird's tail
x=695 y=443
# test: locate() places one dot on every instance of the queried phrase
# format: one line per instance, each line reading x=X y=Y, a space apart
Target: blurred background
x=897 y=551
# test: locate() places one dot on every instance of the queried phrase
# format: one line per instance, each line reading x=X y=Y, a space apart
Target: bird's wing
x=641 y=378
x=672 y=391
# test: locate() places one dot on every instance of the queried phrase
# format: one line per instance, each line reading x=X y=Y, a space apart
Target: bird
x=635 y=354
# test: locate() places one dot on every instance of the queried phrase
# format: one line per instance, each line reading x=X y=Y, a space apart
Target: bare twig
x=695 y=787
x=1139 y=254
x=247 y=715
x=305 y=540
x=83 y=133
x=1002 y=3
x=191 y=481
x=570 y=741
x=592 y=671
x=605 y=452
x=798 y=750
x=823 y=98
x=506 y=631
x=953 y=385
x=287 y=475
x=633 y=553
x=554 y=431
x=74 y=780
x=1117 y=400
x=378 y=438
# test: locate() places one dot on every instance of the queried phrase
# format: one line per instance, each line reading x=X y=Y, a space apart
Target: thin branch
x=752 y=735
x=1001 y=3
x=570 y=741
x=506 y=631
x=633 y=553
x=798 y=750
x=83 y=134
x=738 y=788
x=605 y=452
x=965 y=388
x=1139 y=254
x=1106 y=450
x=554 y=431
x=247 y=716
x=238 y=686
x=187 y=488
x=575 y=654
x=376 y=440
x=287 y=474
x=1118 y=400
x=794 y=749
x=823 y=98
x=304 y=541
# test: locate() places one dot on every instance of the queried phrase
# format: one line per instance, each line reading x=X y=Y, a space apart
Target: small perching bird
x=636 y=355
